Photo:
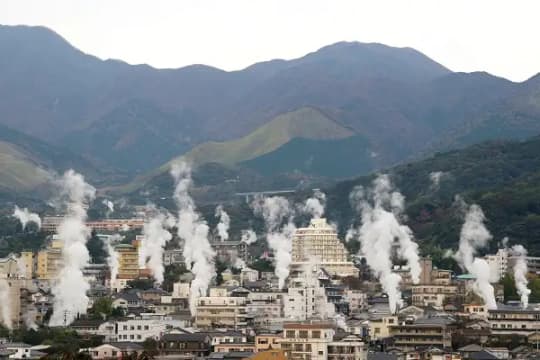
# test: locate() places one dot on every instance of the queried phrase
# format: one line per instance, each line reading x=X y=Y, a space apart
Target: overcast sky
x=501 y=37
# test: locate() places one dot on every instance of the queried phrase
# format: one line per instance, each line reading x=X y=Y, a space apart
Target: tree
x=141 y=284
x=102 y=307
x=510 y=292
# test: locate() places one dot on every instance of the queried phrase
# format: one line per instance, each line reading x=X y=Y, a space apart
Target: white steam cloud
x=248 y=236
x=274 y=211
x=436 y=177
x=474 y=236
x=315 y=205
x=155 y=237
x=380 y=208
x=520 y=274
x=112 y=256
x=26 y=217
x=29 y=317
x=224 y=223
x=110 y=206
x=193 y=230
x=5 y=309
x=69 y=292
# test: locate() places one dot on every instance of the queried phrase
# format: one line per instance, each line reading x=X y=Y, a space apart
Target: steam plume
x=112 y=256
x=26 y=217
x=436 y=177
x=110 y=206
x=224 y=223
x=248 y=236
x=315 y=204
x=380 y=208
x=155 y=237
x=194 y=231
x=70 y=291
x=474 y=236
x=29 y=316
x=520 y=274
x=275 y=210
x=5 y=309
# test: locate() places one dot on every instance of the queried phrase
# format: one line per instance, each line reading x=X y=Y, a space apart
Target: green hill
x=307 y=123
x=503 y=177
x=26 y=162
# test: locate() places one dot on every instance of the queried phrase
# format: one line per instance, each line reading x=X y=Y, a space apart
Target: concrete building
x=49 y=260
x=114 y=350
x=50 y=224
x=422 y=333
x=306 y=298
x=307 y=340
x=173 y=257
x=229 y=251
x=221 y=310
x=513 y=319
x=379 y=327
x=265 y=342
x=498 y=264
x=128 y=265
x=320 y=241
x=318 y=341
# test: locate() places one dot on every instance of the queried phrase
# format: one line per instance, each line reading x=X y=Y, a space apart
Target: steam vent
x=319 y=242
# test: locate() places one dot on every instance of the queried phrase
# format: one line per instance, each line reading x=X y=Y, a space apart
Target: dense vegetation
x=502 y=177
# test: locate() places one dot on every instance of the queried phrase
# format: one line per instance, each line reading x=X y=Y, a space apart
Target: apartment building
x=319 y=340
x=128 y=265
x=379 y=327
x=229 y=251
x=49 y=260
x=219 y=309
x=433 y=295
x=307 y=340
x=306 y=298
x=320 y=241
x=350 y=347
x=422 y=333
x=265 y=342
x=514 y=319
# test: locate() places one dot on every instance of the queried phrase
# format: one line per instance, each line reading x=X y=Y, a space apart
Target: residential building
x=433 y=295
x=229 y=251
x=421 y=333
x=221 y=310
x=197 y=345
x=49 y=260
x=114 y=350
x=319 y=340
x=173 y=257
x=307 y=340
x=498 y=264
x=320 y=241
x=379 y=327
x=128 y=265
x=235 y=347
x=306 y=298
x=350 y=347
x=265 y=342
x=50 y=224
x=514 y=319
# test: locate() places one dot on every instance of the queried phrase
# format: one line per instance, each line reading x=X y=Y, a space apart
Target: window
x=146 y=327
x=125 y=327
x=303 y=334
x=114 y=353
x=139 y=327
x=316 y=334
x=290 y=333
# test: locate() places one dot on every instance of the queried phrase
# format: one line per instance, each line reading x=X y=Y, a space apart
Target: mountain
x=400 y=105
x=26 y=163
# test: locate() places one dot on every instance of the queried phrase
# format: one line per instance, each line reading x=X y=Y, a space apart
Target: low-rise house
x=265 y=342
x=235 y=347
x=20 y=351
x=114 y=350
x=197 y=344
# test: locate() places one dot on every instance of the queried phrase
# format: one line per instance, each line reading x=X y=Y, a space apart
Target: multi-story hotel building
x=421 y=334
x=320 y=241
x=128 y=265
x=50 y=224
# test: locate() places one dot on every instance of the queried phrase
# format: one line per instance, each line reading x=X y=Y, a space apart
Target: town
x=324 y=303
